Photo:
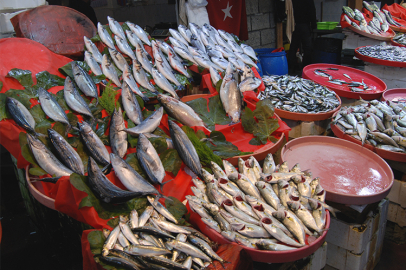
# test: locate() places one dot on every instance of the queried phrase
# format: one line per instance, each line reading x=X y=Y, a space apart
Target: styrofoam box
x=397 y=193
x=5 y=24
x=20 y=4
x=318 y=259
x=354 y=40
x=355 y=237
x=397 y=214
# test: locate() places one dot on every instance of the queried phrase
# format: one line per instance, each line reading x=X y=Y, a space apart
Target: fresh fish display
x=295 y=94
x=109 y=70
x=400 y=38
x=74 y=99
x=52 y=108
x=84 y=82
x=91 y=47
x=118 y=137
x=390 y=53
x=20 y=114
x=380 y=124
x=261 y=217
x=92 y=63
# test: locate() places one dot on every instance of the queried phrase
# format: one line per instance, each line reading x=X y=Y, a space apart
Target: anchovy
x=93 y=143
x=52 y=108
x=126 y=230
x=146 y=250
x=66 y=152
x=105 y=36
x=74 y=99
x=185 y=148
x=145 y=216
x=84 y=82
x=92 y=63
x=20 y=114
x=111 y=240
x=45 y=159
x=148 y=125
x=93 y=49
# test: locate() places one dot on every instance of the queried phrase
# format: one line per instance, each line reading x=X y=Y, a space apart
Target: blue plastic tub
x=272 y=63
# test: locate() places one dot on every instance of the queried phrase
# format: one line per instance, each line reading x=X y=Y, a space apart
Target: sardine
x=188 y=249
x=146 y=250
x=111 y=240
x=161 y=209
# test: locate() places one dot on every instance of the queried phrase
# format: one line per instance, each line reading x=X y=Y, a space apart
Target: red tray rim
x=346 y=93
x=393 y=90
x=372 y=36
x=376 y=60
x=394 y=43
x=352 y=145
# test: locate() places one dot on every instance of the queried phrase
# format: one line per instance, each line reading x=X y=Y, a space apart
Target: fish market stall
x=387 y=62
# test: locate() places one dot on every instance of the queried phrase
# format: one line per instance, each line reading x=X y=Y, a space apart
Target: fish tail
x=46 y=179
x=107 y=169
x=159 y=196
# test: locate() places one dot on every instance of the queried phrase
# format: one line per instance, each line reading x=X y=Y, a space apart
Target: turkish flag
x=229 y=15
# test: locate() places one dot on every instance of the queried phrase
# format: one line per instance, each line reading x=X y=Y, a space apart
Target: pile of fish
x=400 y=38
x=135 y=70
x=153 y=240
x=378 y=25
x=381 y=124
x=354 y=86
x=208 y=47
x=389 y=53
x=269 y=207
x=294 y=94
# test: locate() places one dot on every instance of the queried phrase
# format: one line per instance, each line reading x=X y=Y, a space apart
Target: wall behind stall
x=261 y=24
x=147 y=12
x=332 y=9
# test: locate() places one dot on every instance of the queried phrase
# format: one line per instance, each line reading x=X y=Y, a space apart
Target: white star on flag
x=227 y=11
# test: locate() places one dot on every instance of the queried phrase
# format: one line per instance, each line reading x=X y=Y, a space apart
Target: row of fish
x=400 y=38
x=154 y=240
x=209 y=47
x=373 y=8
x=269 y=207
x=389 y=53
x=294 y=94
x=354 y=86
x=162 y=72
x=380 y=124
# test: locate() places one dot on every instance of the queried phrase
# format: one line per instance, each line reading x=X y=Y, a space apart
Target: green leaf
x=158 y=131
x=73 y=141
x=205 y=154
x=221 y=147
x=247 y=120
x=47 y=80
x=171 y=161
x=200 y=69
x=212 y=116
x=43 y=126
x=131 y=139
x=113 y=222
x=177 y=209
x=140 y=101
x=102 y=127
x=135 y=164
x=264 y=109
x=108 y=99
x=37 y=171
x=3 y=109
x=80 y=149
x=159 y=144
x=218 y=85
x=24 y=77
x=38 y=114
x=96 y=241
x=1 y=85
x=146 y=113
x=96 y=38
x=255 y=141
x=182 y=79
x=21 y=95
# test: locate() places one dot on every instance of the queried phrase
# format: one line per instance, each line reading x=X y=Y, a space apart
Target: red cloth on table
x=229 y=15
x=398 y=13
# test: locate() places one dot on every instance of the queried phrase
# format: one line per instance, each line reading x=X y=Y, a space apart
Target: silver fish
x=184 y=53
x=84 y=82
x=163 y=83
x=111 y=240
x=221 y=62
x=51 y=107
x=45 y=159
x=188 y=249
x=141 y=77
x=277 y=233
x=249 y=84
x=185 y=32
x=148 y=125
x=92 y=63
x=131 y=105
x=142 y=59
x=237 y=62
x=109 y=71
x=185 y=148
x=178 y=36
x=231 y=98
x=227 y=53
x=118 y=137
x=20 y=114
x=304 y=215
x=245 y=58
x=214 y=75
x=145 y=216
x=292 y=223
x=268 y=194
x=115 y=27
x=105 y=36
x=161 y=209
x=232 y=209
x=248 y=50
x=128 y=78
x=126 y=230
x=180 y=111
x=246 y=186
x=118 y=59
x=93 y=49
x=269 y=164
x=149 y=160
x=74 y=99
x=146 y=250
x=141 y=34
x=177 y=65
x=177 y=43
x=167 y=73
x=92 y=142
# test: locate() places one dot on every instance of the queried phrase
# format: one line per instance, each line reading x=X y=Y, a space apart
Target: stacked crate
x=396 y=230
x=357 y=246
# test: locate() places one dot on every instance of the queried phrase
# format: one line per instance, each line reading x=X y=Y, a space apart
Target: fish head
x=282 y=184
x=260 y=185
x=86 y=40
x=266 y=221
x=84 y=127
x=237 y=226
x=238 y=198
x=314 y=204
x=259 y=207
x=319 y=190
x=207 y=177
x=297 y=179
x=99 y=27
x=136 y=65
x=280 y=214
x=34 y=142
x=106 y=61
x=151 y=199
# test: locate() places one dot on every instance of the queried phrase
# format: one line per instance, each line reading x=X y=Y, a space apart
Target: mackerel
x=148 y=125
x=149 y=160
x=52 y=108
x=84 y=82
x=74 y=99
x=92 y=63
x=131 y=105
x=93 y=143
x=91 y=47
x=20 y=114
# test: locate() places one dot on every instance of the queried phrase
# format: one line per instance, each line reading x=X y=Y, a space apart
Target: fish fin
x=162 y=184
x=40 y=135
x=159 y=196
x=46 y=179
x=332 y=210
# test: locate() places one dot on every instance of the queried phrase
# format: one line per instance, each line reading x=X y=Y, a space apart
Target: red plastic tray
x=394 y=94
x=394 y=43
x=388 y=35
x=378 y=61
x=380 y=152
x=350 y=173
x=343 y=90
x=264 y=255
